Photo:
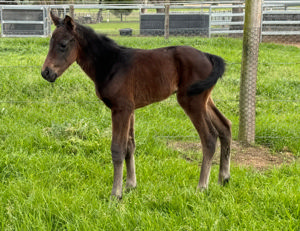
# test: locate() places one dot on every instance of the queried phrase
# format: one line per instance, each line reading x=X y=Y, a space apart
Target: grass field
x=55 y=163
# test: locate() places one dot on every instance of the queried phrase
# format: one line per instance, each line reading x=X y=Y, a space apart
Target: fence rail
x=280 y=18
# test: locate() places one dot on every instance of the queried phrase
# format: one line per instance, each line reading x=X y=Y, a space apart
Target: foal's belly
x=153 y=90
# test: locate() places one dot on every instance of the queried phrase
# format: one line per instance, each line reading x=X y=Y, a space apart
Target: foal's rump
x=218 y=69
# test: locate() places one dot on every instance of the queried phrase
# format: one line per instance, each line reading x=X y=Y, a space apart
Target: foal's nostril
x=45 y=73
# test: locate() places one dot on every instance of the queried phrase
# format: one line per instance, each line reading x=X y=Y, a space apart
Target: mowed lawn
x=55 y=163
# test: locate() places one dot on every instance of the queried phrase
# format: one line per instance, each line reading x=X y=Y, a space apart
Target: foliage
x=123 y=12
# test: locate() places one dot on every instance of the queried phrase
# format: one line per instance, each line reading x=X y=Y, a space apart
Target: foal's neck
x=97 y=54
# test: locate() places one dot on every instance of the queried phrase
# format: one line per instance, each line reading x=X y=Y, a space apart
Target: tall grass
x=55 y=163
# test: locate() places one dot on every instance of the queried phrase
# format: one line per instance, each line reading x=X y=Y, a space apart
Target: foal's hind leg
x=130 y=164
x=223 y=126
x=195 y=108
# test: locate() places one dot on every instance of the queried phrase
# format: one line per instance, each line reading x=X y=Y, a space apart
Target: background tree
x=123 y=12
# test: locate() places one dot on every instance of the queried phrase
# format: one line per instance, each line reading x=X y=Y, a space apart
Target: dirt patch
x=288 y=44
x=258 y=157
x=292 y=44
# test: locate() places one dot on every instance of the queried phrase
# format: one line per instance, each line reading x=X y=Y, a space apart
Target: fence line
x=280 y=18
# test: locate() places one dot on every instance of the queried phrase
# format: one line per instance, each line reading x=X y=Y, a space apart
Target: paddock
x=55 y=148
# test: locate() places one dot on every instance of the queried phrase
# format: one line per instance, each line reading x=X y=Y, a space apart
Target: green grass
x=55 y=162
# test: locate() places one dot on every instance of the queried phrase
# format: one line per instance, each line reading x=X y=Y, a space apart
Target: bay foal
x=126 y=79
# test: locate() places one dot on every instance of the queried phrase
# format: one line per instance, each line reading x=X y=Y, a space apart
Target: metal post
x=71 y=7
x=251 y=39
x=2 y=26
x=209 y=22
x=47 y=22
x=167 y=20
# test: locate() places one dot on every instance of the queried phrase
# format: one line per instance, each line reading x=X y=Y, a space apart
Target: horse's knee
x=117 y=153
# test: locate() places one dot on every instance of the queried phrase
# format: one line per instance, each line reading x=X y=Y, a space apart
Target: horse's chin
x=52 y=78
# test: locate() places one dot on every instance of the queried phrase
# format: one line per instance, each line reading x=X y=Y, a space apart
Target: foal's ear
x=69 y=23
x=56 y=20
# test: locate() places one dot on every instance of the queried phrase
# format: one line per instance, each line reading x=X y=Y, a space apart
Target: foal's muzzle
x=49 y=75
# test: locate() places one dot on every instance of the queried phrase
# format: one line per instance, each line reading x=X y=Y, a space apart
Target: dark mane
x=92 y=35
x=107 y=54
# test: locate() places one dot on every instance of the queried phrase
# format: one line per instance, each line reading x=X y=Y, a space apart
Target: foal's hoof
x=129 y=188
x=224 y=181
x=130 y=185
x=116 y=197
x=201 y=188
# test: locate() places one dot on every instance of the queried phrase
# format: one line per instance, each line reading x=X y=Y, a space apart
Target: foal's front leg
x=120 y=129
x=130 y=165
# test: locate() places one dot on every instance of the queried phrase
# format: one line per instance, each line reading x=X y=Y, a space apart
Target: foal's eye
x=62 y=46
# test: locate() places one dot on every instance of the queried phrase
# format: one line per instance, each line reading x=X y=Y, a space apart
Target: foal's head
x=63 y=48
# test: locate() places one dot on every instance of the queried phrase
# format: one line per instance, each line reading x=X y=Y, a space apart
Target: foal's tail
x=217 y=72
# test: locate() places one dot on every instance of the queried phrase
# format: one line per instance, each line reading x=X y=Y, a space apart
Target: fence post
x=209 y=22
x=167 y=20
x=251 y=39
x=71 y=11
x=48 y=21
